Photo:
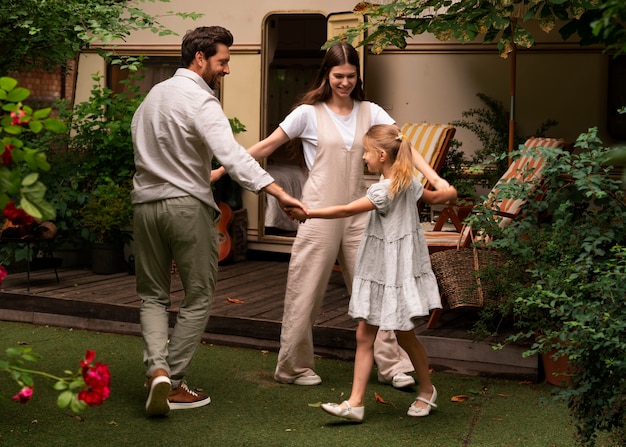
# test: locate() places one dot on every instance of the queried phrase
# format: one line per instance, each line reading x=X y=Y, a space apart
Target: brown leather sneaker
x=159 y=386
x=183 y=398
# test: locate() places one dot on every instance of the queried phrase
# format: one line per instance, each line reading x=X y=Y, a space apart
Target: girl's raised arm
x=446 y=196
x=421 y=165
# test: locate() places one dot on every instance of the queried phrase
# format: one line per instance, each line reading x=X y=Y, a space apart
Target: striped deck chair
x=527 y=168
x=430 y=140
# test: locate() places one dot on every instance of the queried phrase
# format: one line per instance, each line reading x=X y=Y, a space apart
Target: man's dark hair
x=205 y=39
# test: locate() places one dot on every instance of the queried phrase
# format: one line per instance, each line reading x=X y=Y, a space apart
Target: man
x=177 y=130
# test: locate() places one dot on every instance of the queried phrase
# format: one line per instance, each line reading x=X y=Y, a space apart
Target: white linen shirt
x=177 y=130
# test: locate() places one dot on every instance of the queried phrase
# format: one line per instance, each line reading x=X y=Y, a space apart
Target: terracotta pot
x=557 y=371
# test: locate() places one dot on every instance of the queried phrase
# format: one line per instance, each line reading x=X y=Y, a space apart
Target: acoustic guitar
x=223 y=238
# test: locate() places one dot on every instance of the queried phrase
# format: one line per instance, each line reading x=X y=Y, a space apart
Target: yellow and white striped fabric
x=427 y=139
x=527 y=168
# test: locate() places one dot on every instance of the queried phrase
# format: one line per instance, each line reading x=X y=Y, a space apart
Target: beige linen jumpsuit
x=336 y=178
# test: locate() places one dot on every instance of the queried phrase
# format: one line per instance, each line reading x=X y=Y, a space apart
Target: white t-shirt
x=302 y=123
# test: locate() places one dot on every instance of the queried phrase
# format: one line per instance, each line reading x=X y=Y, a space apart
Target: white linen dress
x=393 y=280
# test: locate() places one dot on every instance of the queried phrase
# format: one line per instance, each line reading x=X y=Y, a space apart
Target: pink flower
x=3 y=273
x=24 y=395
x=17 y=216
x=18 y=117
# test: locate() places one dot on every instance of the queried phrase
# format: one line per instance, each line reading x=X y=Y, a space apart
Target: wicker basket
x=458 y=273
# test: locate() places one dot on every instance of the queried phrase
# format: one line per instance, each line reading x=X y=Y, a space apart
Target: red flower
x=3 y=273
x=90 y=355
x=18 y=117
x=7 y=156
x=97 y=379
x=17 y=216
x=24 y=395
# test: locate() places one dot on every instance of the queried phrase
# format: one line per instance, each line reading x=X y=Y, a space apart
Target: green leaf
x=7 y=84
x=60 y=385
x=43 y=113
x=18 y=94
x=78 y=405
x=64 y=398
x=78 y=384
x=31 y=209
x=30 y=179
x=13 y=130
x=55 y=125
x=35 y=126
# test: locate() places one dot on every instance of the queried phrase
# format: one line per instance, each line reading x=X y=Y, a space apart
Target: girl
x=393 y=279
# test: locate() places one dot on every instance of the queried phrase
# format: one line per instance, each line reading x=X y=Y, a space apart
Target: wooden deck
x=247 y=312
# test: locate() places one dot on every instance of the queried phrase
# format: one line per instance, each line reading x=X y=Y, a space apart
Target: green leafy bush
x=563 y=285
x=106 y=217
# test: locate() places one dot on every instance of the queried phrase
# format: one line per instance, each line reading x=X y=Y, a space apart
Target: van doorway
x=291 y=57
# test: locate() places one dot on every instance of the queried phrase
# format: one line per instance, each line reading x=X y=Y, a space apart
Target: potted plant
x=105 y=223
x=91 y=180
x=564 y=289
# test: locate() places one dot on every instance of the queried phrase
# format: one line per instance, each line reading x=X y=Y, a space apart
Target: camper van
x=277 y=53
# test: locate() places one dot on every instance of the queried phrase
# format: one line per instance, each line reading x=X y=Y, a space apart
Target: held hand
x=293 y=207
x=297 y=214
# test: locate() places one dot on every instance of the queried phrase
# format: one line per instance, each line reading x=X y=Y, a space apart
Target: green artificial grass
x=249 y=408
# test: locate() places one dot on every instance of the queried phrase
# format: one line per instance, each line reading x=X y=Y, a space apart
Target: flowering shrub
x=19 y=164
x=87 y=387
x=22 y=194
x=23 y=203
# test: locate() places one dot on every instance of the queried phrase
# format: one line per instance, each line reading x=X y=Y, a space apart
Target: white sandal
x=352 y=413
x=421 y=412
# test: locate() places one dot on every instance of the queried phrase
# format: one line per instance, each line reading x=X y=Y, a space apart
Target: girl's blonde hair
x=389 y=138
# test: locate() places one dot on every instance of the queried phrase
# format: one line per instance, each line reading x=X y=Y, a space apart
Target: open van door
x=338 y=22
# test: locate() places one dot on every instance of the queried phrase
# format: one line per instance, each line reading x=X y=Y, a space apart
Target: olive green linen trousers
x=180 y=229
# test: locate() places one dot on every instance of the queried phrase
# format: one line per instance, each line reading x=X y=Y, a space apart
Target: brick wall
x=47 y=86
